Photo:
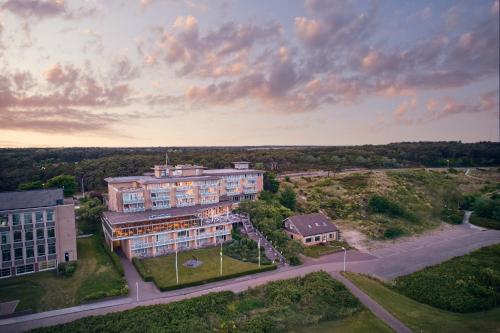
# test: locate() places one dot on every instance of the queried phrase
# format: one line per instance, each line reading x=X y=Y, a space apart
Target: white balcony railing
x=133 y=200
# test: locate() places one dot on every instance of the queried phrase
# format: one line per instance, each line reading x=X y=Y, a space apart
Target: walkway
x=374 y=307
x=147 y=290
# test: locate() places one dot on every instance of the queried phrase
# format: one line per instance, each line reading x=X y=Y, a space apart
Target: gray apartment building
x=37 y=231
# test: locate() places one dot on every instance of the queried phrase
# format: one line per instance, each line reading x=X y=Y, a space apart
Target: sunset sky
x=184 y=73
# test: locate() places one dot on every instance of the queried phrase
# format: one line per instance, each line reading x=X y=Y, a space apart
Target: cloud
x=36 y=8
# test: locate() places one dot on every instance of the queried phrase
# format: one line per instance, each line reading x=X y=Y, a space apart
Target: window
x=4 y=220
x=44 y=265
x=317 y=238
x=17 y=236
x=39 y=234
x=50 y=215
x=28 y=218
x=308 y=240
x=4 y=272
x=183 y=233
x=52 y=248
x=6 y=255
x=30 y=253
x=18 y=253
x=39 y=217
x=41 y=250
x=51 y=233
x=16 y=219
x=330 y=236
x=4 y=236
x=25 y=269
x=28 y=235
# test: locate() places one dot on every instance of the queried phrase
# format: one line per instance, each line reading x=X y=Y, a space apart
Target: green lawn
x=362 y=322
x=162 y=269
x=424 y=318
x=95 y=277
x=315 y=251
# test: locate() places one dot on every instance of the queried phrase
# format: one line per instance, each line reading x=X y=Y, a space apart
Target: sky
x=260 y=72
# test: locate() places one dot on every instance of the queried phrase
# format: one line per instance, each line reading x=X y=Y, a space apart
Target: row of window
x=28 y=235
x=42 y=266
x=318 y=238
x=29 y=252
x=27 y=217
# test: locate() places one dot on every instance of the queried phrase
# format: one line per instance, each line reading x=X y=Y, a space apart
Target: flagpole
x=220 y=258
x=258 y=246
x=176 y=268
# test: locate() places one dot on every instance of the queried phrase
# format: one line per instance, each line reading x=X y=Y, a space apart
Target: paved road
x=398 y=259
x=374 y=307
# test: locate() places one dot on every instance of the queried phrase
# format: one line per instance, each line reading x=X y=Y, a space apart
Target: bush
x=463 y=284
x=66 y=269
x=383 y=205
x=295 y=261
x=452 y=216
x=393 y=232
x=245 y=249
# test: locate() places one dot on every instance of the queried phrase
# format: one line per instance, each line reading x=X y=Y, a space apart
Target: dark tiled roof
x=30 y=199
x=312 y=224
x=119 y=217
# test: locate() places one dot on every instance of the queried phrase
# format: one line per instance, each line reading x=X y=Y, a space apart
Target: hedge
x=142 y=270
x=115 y=259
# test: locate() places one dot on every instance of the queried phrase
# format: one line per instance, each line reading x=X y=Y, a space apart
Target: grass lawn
x=315 y=251
x=424 y=318
x=362 y=322
x=95 y=277
x=162 y=269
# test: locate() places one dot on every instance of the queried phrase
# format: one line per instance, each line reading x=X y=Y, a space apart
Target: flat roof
x=222 y=172
x=149 y=215
x=30 y=199
x=147 y=179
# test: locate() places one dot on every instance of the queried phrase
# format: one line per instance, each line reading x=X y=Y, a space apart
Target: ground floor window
x=203 y=242
x=317 y=238
x=221 y=238
x=140 y=252
x=44 y=265
x=308 y=240
x=6 y=255
x=25 y=269
x=183 y=245
x=4 y=272
x=52 y=248
x=163 y=249
x=331 y=236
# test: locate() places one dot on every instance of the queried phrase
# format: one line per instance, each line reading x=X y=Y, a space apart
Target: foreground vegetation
x=96 y=276
x=94 y=164
x=161 y=270
x=315 y=251
x=275 y=307
x=424 y=318
x=389 y=204
x=464 y=284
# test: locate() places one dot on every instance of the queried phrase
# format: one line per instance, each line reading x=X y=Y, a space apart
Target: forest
x=92 y=165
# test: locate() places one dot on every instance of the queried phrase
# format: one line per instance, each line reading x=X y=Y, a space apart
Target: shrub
x=393 y=232
x=66 y=269
x=463 y=284
x=452 y=216
x=295 y=261
x=383 y=205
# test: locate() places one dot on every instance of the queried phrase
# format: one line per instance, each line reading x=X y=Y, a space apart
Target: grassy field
x=416 y=199
x=463 y=284
x=315 y=251
x=278 y=306
x=361 y=322
x=162 y=269
x=424 y=318
x=95 y=277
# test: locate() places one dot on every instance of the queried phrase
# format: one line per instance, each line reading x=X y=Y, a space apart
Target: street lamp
x=345 y=252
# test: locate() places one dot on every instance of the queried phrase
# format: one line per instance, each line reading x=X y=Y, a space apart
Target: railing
x=230 y=186
x=206 y=202
x=159 y=190
x=138 y=246
x=132 y=200
x=183 y=188
x=250 y=190
x=185 y=204
x=160 y=207
x=184 y=195
x=132 y=210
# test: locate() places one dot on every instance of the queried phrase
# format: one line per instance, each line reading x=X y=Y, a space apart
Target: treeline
x=94 y=164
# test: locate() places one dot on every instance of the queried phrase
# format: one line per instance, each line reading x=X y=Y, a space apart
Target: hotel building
x=176 y=208
x=37 y=231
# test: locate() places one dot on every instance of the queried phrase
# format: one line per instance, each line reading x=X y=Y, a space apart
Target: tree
x=66 y=182
x=271 y=184
x=36 y=185
x=293 y=248
x=89 y=214
x=288 y=198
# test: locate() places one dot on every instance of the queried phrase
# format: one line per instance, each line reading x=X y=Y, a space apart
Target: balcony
x=184 y=196
x=141 y=245
x=183 y=188
x=232 y=185
x=207 y=186
x=133 y=209
x=132 y=200
x=185 y=204
x=249 y=189
x=160 y=190
x=207 y=193
x=206 y=202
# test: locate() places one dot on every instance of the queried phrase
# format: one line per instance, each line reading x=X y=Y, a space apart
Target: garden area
x=424 y=318
x=315 y=251
x=161 y=270
x=97 y=275
x=279 y=306
x=389 y=204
